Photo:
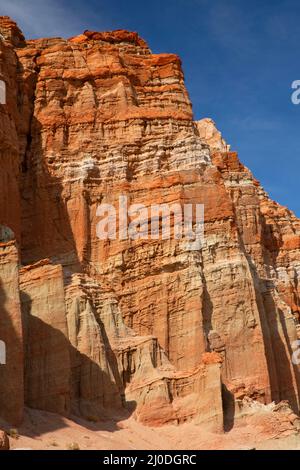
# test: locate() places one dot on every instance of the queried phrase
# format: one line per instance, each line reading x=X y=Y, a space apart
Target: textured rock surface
x=269 y=235
x=9 y=148
x=142 y=326
x=4 y=441
x=47 y=357
x=11 y=336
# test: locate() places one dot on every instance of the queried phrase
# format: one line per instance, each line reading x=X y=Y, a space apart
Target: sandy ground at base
x=42 y=430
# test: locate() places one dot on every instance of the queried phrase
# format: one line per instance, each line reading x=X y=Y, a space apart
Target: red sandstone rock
x=145 y=325
x=47 y=356
x=116 y=37
x=10 y=31
x=11 y=335
x=4 y=441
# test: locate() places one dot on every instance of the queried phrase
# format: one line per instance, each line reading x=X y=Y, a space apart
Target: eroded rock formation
x=97 y=327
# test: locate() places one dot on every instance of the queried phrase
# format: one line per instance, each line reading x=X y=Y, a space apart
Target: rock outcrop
x=11 y=336
x=4 y=441
x=144 y=326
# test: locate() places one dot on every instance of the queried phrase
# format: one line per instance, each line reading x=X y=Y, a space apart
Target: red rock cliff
x=143 y=325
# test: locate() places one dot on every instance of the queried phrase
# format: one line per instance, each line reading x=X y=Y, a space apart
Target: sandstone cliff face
x=139 y=325
x=9 y=149
x=12 y=361
x=47 y=358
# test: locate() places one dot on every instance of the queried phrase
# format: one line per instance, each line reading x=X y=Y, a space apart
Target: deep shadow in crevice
x=207 y=312
x=228 y=404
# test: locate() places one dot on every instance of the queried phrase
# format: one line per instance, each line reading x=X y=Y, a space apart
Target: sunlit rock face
x=133 y=326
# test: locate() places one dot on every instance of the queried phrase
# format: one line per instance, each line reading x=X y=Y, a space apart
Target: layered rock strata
x=139 y=326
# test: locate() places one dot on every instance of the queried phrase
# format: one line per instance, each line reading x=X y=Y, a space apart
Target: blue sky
x=240 y=58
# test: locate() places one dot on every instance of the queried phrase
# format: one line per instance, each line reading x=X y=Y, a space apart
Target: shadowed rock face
x=4 y=441
x=6 y=234
x=145 y=326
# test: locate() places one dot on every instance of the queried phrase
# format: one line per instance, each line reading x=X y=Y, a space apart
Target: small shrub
x=53 y=444
x=93 y=419
x=13 y=433
x=73 y=446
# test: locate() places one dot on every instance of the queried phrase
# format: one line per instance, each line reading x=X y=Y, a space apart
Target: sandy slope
x=41 y=430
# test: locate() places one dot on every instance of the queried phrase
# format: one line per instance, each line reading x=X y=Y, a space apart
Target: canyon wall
x=144 y=326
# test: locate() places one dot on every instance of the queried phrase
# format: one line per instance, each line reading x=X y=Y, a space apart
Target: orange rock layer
x=97 y=327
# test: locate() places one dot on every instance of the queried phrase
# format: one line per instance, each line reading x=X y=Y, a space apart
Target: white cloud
x=253 y=123
x=46 y=18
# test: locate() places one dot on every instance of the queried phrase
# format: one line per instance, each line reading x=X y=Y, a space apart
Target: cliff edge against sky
x=99 y=328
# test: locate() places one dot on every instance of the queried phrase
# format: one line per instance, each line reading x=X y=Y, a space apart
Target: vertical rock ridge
x=144 y=326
